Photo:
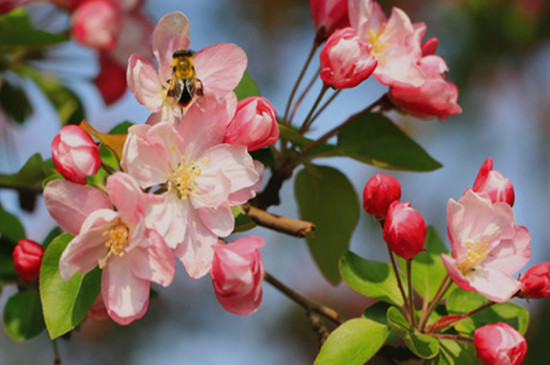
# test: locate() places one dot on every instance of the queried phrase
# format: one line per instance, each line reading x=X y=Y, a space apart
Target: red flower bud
x=404 y=230
x=535 y=283
x=97 y=24
x=329 y=15
x=27 y=257
x=492 y=182
x=380 y=191
x=111 y=80
x=500 y=343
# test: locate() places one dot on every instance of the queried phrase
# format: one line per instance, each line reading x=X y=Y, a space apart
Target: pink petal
x=220 y=67
x=154 y=262
x=168 y=216
x=456 y=275
x=170 y=34
x=212 y=189
x=126 y=296
x=127 y=196
x=494 y=284
x=511 y=254
x=144 y=82
x=70 y=204
x=242 y=196
x=219 y=220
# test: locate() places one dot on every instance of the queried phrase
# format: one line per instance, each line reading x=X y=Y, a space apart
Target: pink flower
x=254 y=124
x=74 y=154
x=395 y=42
x=380 y=191
x=237 y=273
x=535 y=283
x=202 y=176
x=500 y=344
x=27 y=258
x=488 y=247
x=118 y=241
x=404 y=230
x=491 y=182
x=134 y=37
x=328 y=16
x=219 y=68
x=96 y=24
x=346 y=60
x=111 y=80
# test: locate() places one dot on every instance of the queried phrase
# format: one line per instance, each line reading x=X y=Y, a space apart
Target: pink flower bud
x=254 y=124
x=237 y=273
x=380 y=191
x=492 y=182
x=500 y=343
x=404 y=230
x=74 y=154
x=111 y=80
x=535 y=283
x=329 y=15
x=430 y=46
x=8 y=5
x=27 y=257
x=346 y=59
x=96 y=24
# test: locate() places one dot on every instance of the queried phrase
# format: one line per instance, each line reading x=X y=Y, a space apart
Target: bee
x=184 y=84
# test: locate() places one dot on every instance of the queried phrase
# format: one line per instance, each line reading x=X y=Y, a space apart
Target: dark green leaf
x=121 y=128
x=371 y=278
x=14 y=101
x=327 y=199
x=265 y=156
x=23 y=315
x=247 y=87
x=377 y=312
x=461 y=301
x=242 y=221
x=10 y=227
x=375 y=140
x=17 y=30
x=354 y=342
x=30 y=176
x=65 y=303
x=293 y=136
x=7 y=271
x=421 y=345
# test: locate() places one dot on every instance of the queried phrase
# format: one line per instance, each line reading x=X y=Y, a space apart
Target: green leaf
x=11 y=228
x=377 y=312
x=375 y=140
x=65 y=303
x=31 y=175
x=68 y=105
x=326 y=198
x=14 y=102
x=421 y=345
x=247 y=87
x=452 y=353
x=370 y=278
x=7 y=270
x=16 y=30
x=265 y=156
x=354 y=342
x=292 y=135
x=121 y=128
x=54 y=233
x=242 y=220
x=461 y=301
x=23 y=315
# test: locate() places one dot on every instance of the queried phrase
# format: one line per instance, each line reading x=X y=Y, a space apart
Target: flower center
x=378 y=46
x=477 y=252
x=117 y=242
x=182 y=180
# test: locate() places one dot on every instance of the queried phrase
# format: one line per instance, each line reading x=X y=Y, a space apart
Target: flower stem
x=57 y=358
x=443 y=287
x=308 y=121
x=298 y=81
x=399 y=283
x=411 y=298
x=448 y=320
x=303 y=302
x=452 y=337
x=302 y=96
x=332 y=97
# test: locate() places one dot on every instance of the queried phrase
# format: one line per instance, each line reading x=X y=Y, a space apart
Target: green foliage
x=11 y=228
x=354 y=342
x=30 y=176
x=17 y=30
x=292 y=135
x=423 y=346
x=375 y=140
x=461 y=301
x=264 y=155
x=326 y=198
x=23 y=315
x=377 y=312
x=14 y=102
x=121 y=128
x=68 y=105
x=454 y=353
x=242 y=221
x=65 y=303
x=370 y=278
x=247 y=87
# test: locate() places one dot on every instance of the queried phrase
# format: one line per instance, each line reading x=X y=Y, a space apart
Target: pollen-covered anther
x=117 y=242
x=477 y=252
x=378 y=46
x=183 y=178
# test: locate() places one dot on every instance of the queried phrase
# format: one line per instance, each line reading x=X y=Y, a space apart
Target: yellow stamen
x=477 y=252
x=378 y=47
x=117 y=242
x=182 y=180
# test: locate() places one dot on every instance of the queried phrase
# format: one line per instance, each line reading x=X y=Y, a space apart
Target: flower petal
x=219 y=220
x=144 y=82
x=127 y=196
x=154 y=262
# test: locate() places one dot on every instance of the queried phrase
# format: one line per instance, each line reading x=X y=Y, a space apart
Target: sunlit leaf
x=242 y=221
x=327 y=199
x=423 y=346
x=31 y=175
x=16 y=30
x=247 y=87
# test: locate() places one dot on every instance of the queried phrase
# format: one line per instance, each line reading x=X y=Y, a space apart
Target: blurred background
x=498 y=52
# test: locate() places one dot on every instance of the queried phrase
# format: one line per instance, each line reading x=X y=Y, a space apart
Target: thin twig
x=302 y=96
x=308 y=121
x=57 y=358
x=281 y=224
x=399 y=283
x=452 y=337
x=411 y=299
x=443 y=287
x=448 y=320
